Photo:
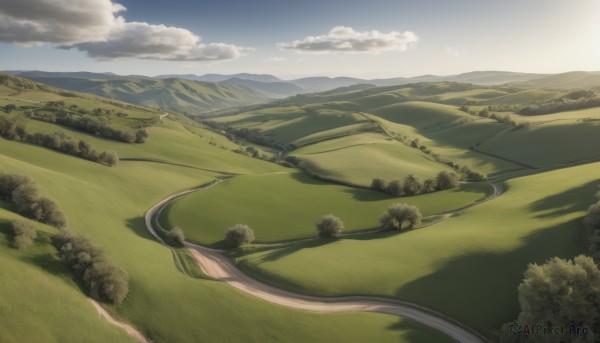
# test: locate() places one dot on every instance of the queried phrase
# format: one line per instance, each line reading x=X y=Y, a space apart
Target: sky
x=291 y=39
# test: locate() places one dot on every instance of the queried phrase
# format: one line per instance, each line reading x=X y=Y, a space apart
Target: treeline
x=251 y=135
x=412 y=185
x=101 y=278
x=23 y=193
x=501 y=118
x=23 y=233
x=573 y=101
x=592 y=226
x=15 y=130
x=98 y=128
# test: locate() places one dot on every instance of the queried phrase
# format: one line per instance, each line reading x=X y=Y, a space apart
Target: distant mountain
x=570 y=80
x=32 y=74
x=475 y=77
x=179 y=95
x=270 y=89
x=220 y=77
x=322 y=83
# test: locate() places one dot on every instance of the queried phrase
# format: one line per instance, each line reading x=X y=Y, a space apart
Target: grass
x=107 y=205
x=286 y=206
x=467 y=266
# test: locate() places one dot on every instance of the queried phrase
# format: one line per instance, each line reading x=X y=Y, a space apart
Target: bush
x=23 y=234
x=394 y=188
x=330 y=226
x=378 y=184
x=398 y=214
x=447 y=180
x=176 y=236
x=412 y=185
x=102 y=279
x=239 y=235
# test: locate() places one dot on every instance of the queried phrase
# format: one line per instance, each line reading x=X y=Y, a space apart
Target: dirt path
x=131 y=331
x=215 y=265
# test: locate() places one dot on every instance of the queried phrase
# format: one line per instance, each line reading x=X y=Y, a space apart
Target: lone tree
x=330 y=226
x=378 y=184
x=239 y=235
x=176 y=236
x=446 y=180
x=398 y=214
x=561 y=292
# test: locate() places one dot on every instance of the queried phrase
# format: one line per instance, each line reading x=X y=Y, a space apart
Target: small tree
x=394 y=188
x=176 y=236
x=398 y=214
x=23 y=234
x=412 y=185
x=378 y=184
x=429 y=186
x=330 y=226
x=9 y=108
x=239 y=235
x=447 y=180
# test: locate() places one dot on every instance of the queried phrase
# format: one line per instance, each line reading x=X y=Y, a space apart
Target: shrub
x=330 y=226
x=102 y=279
x=447 y=180
x=176 y=236
x=378 y=184
x=23 y=234
x=239 y=235
x=429 y=186
x=394 y=188
x=411 y=185
x=398 y=214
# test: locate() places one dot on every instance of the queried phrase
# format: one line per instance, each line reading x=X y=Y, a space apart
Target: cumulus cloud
x=345 y=39
x=93 y=26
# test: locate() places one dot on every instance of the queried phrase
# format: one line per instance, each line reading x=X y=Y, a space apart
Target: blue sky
x=412 y=38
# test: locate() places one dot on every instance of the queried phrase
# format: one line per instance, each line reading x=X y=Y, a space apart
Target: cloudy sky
x=375 y=38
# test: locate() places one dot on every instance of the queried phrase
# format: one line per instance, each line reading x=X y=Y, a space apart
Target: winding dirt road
x=131 y=331
x=215 y=265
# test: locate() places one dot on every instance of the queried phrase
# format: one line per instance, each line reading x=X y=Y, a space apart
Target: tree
x=447 y=180
x=561 y=292
x=51 y=214
x=176 y=236
x=592 y=225
x=378 y=184
x=25 y=199
x=330 y=226
x=9 y=108
x=412 y=185
x=398 y=214
x=394 y=188
x=239 y=235
x=429 y=186
x=23 y=234
x=141 y=136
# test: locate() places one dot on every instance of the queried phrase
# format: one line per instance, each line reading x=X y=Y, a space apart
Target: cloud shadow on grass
x=575 y=199
x=480 y=289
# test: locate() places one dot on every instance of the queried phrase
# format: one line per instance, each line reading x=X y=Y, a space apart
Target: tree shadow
x=138 y=226
x=303 y=178
x=573 y=200
x=480 y=288
x=280 y=253
x=368 y=195
x=421 y=334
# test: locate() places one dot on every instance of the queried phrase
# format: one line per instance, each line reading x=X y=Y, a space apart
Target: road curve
x=219 y=267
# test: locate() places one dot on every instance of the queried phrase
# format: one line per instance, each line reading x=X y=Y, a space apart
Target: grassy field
x=107 y=205
x=467 y=266
x=286 y=206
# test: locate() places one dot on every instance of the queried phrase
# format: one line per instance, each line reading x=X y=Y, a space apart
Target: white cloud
x=345 y=39
x=94 y=27
x=275 y=59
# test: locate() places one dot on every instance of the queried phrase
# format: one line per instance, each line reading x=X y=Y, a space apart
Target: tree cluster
x=239 y=235
x=99 y=128
x=573 y=101
x=559 y=293
x=330 y=226
x=23 y=193
x=592 y=225
x=14 y=129
x=412 y=185
x=397 y=215
x=101 y=278
x=23 y=234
